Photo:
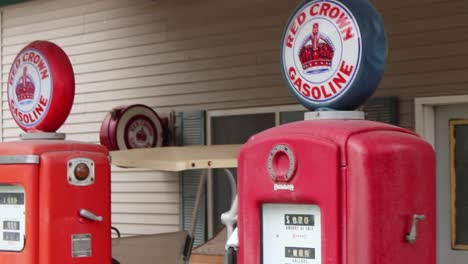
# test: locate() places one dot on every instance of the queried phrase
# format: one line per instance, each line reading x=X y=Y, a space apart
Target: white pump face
x=291 y=234
x=12 y=217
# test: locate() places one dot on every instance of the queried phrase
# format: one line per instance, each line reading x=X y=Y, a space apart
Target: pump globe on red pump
x=41 y=87
x=333 y=53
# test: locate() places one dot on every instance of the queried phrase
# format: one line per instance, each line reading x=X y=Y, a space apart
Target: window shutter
x=382 y=109
x=191 y=131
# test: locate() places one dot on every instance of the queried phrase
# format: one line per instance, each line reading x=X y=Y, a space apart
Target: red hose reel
x=134 y=126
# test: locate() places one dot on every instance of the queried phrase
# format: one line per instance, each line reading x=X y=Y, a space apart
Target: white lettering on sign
x=321 y=51
x=283 y=187
x=29 y=87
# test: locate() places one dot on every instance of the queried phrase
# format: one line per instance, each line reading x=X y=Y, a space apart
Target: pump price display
x=11 y=225
x=291 y=234
x=301 y=253
x=11 y=236
x=12 y=198
x=298 y=220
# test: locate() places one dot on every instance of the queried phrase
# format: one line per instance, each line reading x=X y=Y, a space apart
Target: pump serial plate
x=291 y=234
x=81 y=245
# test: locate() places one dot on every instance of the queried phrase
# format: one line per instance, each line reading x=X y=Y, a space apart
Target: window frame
x=277 y=110
x=453 y=183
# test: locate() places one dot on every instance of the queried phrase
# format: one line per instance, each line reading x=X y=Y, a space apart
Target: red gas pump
x=54 y=194
x=335 y=189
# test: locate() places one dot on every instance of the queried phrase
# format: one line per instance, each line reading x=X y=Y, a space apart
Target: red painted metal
x=104 y=136
x=53 y=205
x=368 y=178
x=15 y=174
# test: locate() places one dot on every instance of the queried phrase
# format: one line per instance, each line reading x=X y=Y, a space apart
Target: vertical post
x=196 y=208
x=193 y=228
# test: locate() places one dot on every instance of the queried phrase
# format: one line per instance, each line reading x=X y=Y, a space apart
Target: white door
x=443 y=115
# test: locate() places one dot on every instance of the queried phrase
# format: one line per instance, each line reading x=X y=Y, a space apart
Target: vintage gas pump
x=335 y=188
x=54 y=194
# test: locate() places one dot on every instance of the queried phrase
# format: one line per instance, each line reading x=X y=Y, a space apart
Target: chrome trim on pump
x=19 y=159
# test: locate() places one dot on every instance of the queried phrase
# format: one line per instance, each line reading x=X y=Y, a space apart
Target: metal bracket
x=412 y=236
x=318 y=115
x=42 y=135
x=229 y=218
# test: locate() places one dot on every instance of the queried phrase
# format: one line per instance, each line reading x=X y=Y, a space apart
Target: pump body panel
x=54 y=229
x=390 y=178
x=25 y=175
x=350 y=199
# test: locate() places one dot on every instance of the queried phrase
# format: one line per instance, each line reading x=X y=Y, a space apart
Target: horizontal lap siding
x=211 y=54
x=165 y=55
x=185 y=55
x=102 y=40
x=170 y=55
x=428 y=54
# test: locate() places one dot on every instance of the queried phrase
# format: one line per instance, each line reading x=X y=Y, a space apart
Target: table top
x=178 y=158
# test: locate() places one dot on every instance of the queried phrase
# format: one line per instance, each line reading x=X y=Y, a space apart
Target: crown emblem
x=141 y=135
x=316 y=53
x=25 y=87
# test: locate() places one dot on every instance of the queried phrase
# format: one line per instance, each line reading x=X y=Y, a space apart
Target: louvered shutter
x=191 y=131
x=382 y=109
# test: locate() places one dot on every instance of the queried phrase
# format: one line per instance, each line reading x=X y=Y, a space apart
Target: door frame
x=424 y=113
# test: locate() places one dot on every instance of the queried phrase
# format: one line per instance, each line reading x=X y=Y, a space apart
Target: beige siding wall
x=186 y=55
x=112 y=47
x=428 y=51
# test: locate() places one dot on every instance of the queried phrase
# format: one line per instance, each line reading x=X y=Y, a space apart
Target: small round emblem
x=333 y=53
x=140 y=132
x=41 y=87
x=281 y=163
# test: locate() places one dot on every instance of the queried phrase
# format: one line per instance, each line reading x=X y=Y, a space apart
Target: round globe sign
x=41 y=87
x=334 y=53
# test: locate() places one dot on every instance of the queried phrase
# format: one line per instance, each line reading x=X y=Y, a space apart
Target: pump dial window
x=81 y=172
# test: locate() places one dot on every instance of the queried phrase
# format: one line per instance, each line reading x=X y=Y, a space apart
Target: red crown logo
x=318 y=56
x=141 y=135
x=25 y=87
